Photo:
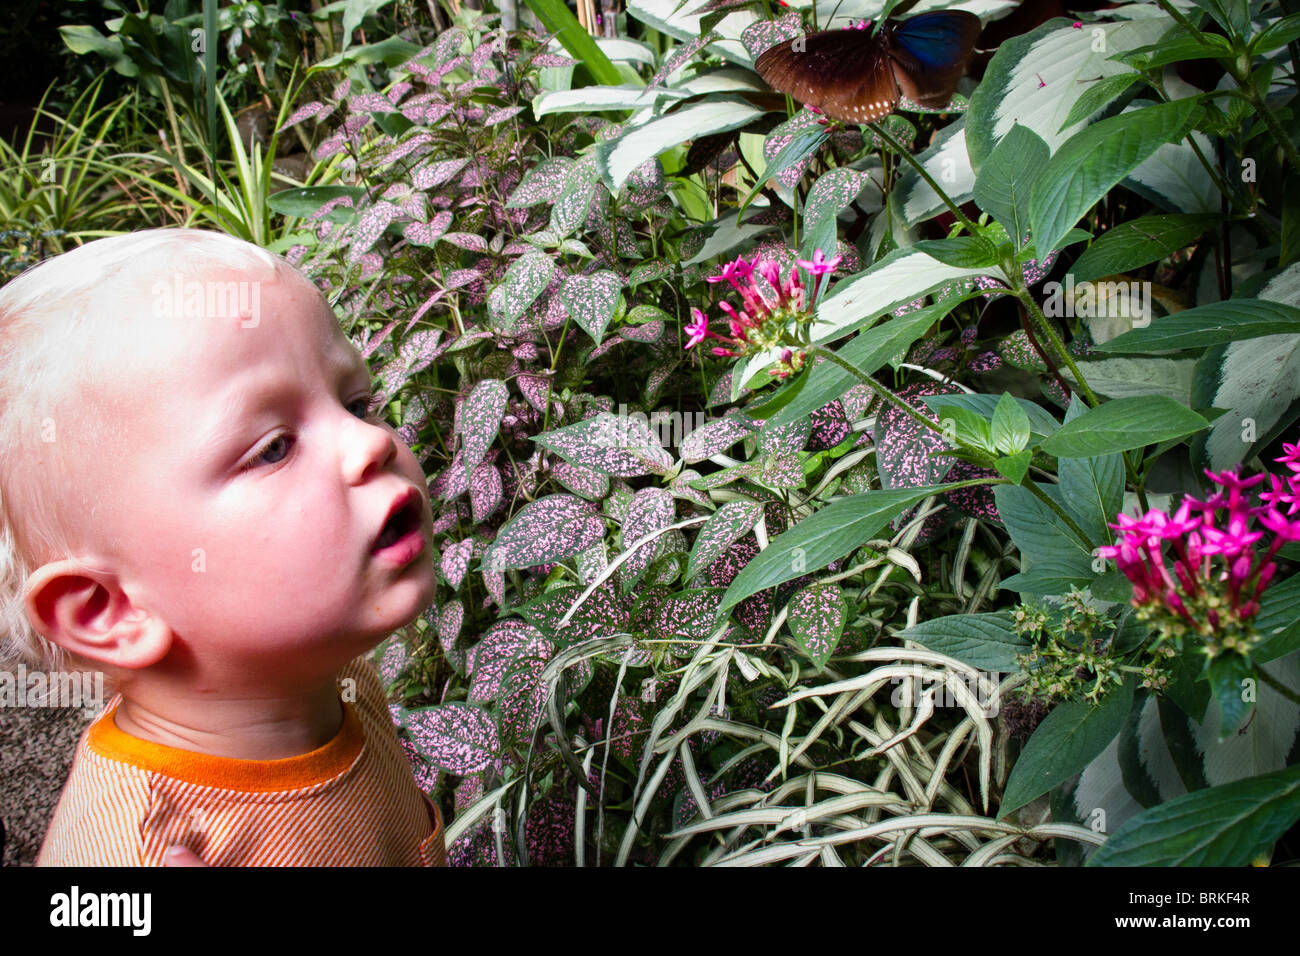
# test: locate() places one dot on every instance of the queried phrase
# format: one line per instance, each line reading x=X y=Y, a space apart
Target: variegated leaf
x=621 y=446
x=816 y=616
x=591 y=300
x=651 y=510
x=728 y=525
x=491 y=656
x=480 y=419
x=485 y=491
x=712 y=438
x=458 y=738
x=549 y=529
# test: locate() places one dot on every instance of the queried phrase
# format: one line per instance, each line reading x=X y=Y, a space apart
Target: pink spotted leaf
x=591 y=300
x=549 y=529
x=652 y=509
x=458 y=738
x=728 y=525
x=484 y=491
x=480 y=420
x=816 y=616
x=713 y=438
x=621 y=446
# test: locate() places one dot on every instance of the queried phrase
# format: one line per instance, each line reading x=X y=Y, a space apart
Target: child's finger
x=180 y=856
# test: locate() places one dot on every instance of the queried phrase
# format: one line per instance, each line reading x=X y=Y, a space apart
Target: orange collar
x=324 y=763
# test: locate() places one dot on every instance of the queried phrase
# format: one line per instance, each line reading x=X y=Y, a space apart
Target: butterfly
x=853 y=76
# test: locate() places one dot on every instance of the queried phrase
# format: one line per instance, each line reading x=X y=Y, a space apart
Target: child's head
x=190 y=479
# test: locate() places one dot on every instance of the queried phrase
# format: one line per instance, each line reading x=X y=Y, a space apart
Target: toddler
x=197 y=500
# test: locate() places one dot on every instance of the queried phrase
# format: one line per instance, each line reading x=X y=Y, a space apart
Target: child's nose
x=367 y=447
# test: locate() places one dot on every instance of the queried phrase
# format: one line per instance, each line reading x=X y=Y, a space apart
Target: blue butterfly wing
x=939 y=40
x=929 y=54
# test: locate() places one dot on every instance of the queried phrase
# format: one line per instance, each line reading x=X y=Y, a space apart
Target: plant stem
x=1036 y=315
x=1281 y=688
x=1034 y=489
x=921 y=171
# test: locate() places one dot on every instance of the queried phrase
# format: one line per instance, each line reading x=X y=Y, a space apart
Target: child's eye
x=360 y=407
x=276 y=450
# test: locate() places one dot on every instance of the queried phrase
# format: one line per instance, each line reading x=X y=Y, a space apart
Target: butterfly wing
x=929 y=54
x=846 y=74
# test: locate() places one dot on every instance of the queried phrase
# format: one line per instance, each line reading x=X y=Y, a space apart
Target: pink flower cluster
x=1192 y=595
x=765 y=315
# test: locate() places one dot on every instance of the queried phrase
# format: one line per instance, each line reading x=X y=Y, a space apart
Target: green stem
x=1272 y=682
x=908 y=157
x=1034 y=489
x=1242 y=79
x=1049 y=332
x=889 y=397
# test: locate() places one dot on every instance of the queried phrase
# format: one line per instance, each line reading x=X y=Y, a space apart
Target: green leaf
x=1041 y=422
x=1010 y=425
x=1232 y=15
x=1094 y=487
x=1123 y=424
x=1278 y=621
x=984 y=641
x=802 y=145
x=1231 y=825
x=1014 y=467
x=1039 y=532
x=964 y=252
x=1133 y=244
x=1064 y=743
x=305 y=201
x=969 y=427
x=1228 y=674
x=1176 y=46
x=836 y=530
x=392 y=51
x=1098 y=94
x=779 y=399
x=816 y=616
x=1276 y=34
x=1095 y=159
x=1218 y=323
x=1007 y=179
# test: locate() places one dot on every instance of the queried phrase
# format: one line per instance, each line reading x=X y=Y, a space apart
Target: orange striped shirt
x=351 y=802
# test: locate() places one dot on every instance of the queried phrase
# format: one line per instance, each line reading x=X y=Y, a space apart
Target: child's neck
x=244 y=728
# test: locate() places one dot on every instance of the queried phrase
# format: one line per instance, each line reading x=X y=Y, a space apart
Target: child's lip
x=409 y=498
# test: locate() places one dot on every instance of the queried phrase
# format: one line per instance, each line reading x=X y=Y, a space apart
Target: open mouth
x=402 y=522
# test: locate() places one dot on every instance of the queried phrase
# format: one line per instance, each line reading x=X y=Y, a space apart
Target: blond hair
x=50 y=319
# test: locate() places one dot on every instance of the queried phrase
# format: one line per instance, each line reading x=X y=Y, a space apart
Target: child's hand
x=180 y=856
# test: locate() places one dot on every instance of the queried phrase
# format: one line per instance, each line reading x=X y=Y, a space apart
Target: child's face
x=246 y=499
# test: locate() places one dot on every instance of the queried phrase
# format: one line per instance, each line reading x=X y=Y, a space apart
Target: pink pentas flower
x=1219 y=604
x=819 y=265
x=698 y=330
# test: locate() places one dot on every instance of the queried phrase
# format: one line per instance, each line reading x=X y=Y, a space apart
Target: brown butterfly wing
x=845 y=73
x=930 y=85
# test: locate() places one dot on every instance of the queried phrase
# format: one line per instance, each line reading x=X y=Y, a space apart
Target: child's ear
x=87 y=613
